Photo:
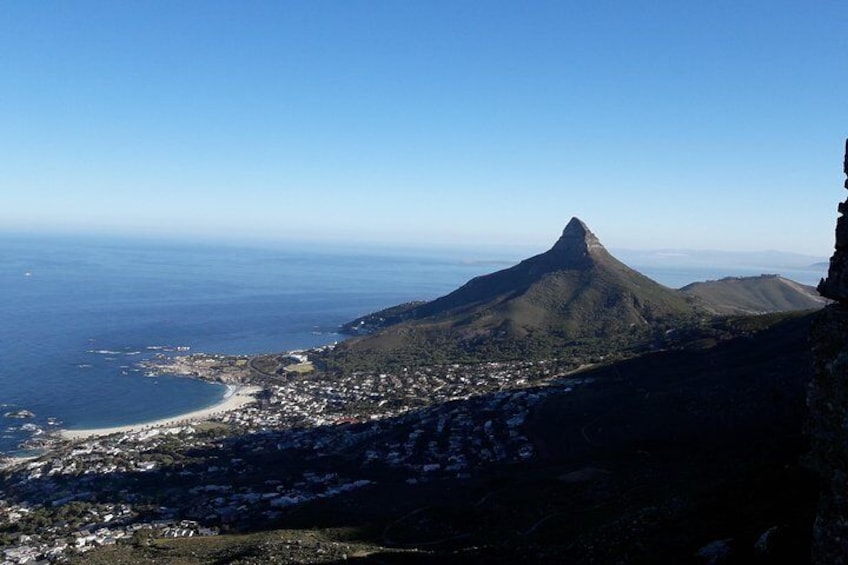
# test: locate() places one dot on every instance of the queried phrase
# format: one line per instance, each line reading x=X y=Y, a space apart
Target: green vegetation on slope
x=571 y=295
x=755 y=295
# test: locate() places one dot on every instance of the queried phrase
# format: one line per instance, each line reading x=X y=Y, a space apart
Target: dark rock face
x=828 y=403
x=835 y=286
x=577 y=240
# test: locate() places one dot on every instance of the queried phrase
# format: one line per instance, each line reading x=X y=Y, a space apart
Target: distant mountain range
x=767 y=260
x=574 y=291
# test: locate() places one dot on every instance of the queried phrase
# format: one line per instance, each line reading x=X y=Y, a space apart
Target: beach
x=235 y=398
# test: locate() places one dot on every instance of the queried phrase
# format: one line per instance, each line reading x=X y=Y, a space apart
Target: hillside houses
x=258 y=462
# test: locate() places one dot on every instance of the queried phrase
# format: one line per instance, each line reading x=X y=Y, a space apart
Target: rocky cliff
x=835 y=286
x=828 y=404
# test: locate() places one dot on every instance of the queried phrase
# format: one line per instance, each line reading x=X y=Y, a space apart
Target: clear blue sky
x=678 y=124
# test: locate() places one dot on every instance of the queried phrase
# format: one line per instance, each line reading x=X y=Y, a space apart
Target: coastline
x=9 y=462
x=236 y=397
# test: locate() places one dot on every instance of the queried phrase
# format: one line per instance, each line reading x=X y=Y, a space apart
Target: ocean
x=78 y=315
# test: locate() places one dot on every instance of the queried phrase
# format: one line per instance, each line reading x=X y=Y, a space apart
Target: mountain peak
x=575 y=289
x=577 y=239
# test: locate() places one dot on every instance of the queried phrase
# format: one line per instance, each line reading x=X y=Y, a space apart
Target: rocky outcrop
x=828 y=403
x=577 y=241
x=835 y=286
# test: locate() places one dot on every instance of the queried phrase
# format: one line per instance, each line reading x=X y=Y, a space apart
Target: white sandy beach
x=233 y=400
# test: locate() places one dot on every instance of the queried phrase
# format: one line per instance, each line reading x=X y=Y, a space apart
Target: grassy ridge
x=755 y=295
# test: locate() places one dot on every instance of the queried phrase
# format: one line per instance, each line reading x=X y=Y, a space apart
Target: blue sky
x=712 y=125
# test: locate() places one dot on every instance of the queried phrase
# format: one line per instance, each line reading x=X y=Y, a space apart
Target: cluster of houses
x=266 y=457
x=50 y=546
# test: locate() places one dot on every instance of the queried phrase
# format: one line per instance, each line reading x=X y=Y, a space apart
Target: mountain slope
x=577 y=284
x=755 y=295
x=575 y=290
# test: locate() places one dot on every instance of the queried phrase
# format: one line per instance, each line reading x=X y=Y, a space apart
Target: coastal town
x=297 y=436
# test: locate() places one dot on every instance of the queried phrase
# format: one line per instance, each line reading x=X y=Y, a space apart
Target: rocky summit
x=577 y=242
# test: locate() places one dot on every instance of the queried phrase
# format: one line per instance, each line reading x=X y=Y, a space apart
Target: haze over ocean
x=79 y=314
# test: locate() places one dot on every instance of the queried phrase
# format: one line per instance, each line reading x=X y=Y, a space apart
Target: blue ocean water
x=77 y=315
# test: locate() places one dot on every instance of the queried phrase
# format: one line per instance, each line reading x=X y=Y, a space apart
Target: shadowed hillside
x=668 y=458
